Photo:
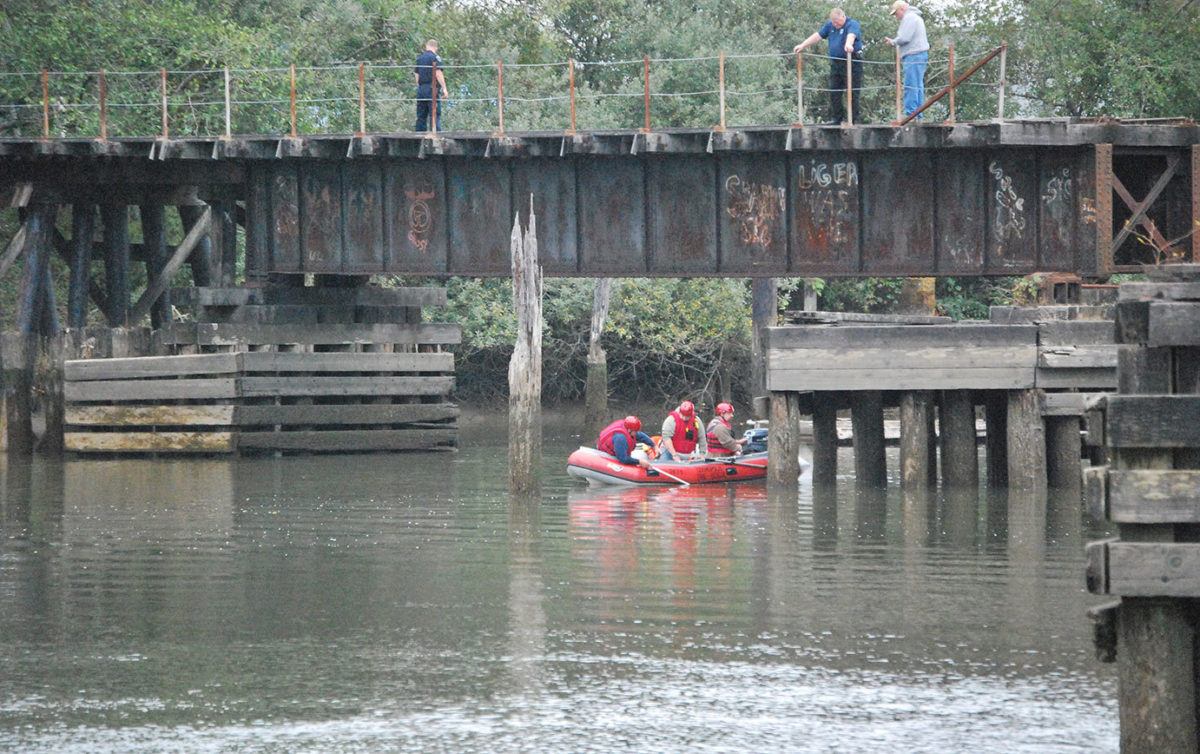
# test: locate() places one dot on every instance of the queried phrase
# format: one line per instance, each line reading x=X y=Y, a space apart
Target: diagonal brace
x=1139 y=209
x=163 y=279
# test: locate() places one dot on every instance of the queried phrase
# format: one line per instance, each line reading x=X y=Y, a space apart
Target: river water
x=380 y=603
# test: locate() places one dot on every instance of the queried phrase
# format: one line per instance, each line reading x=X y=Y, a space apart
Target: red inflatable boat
x=599 y=467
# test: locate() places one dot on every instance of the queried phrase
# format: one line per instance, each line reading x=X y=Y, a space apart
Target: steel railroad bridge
x=1011 y=197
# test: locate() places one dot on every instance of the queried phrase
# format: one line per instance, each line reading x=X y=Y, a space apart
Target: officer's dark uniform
x=427 y=63
x=837 y=69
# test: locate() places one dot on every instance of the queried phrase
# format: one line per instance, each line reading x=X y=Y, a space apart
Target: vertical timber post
x=915 y=408
x=764 y=297
x=201 y=258
x=996 y=410
x=596 y=389
x=154 y=253
x=83 y=230
x=116 y=262
x=866 y=418
x=1026 y=441
x=1063 y=453
x=783 y=448
x=960 y=458
x=825 y=438
x=525 y=367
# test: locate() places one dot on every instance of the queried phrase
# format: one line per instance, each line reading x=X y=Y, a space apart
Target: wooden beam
x=15 y=246
x=162 y=281
x=1139 y=209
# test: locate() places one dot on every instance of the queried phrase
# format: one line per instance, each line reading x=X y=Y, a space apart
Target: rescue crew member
x=720 y=437
x=428 y=73
x=682 y=434
x=845 y=40
x=620 y=438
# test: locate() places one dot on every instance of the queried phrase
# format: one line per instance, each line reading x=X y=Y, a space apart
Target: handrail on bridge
x=949 y=89
x=494 y=101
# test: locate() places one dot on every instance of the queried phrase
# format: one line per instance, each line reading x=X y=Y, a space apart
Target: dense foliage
x=1121 y=58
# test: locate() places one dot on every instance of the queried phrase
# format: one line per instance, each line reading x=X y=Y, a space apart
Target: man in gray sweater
x=913 y=44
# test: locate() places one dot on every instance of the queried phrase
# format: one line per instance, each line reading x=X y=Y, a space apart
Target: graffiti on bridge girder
x=420 y=219
x=756 y=207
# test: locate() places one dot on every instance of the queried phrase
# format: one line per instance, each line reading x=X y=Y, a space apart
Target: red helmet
x=633 y=424
x=723 y=408
x=686 y=409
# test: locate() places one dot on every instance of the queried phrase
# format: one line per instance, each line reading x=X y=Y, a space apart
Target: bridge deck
x=980 y=198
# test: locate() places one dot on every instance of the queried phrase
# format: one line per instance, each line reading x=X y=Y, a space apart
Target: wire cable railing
x=710 y=91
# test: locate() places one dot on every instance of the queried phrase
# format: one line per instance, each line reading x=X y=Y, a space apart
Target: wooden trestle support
x=1151 y=490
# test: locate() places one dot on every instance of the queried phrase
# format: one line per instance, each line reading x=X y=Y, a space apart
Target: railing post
x=45 y=104
x=103 y=106
x=500 y=92
x=362 y=98
x=1003 y=77
x=228 y=107
x=162 y=77
x=292 y=103
x=571 y=87
x=899 y=88
x=799 y=89
x=953 y=85
x=721 y=86
x=646 y=92
x=849 y=121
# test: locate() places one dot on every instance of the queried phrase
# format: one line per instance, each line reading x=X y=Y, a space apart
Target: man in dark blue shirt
x=430 y=79
x=845 y=40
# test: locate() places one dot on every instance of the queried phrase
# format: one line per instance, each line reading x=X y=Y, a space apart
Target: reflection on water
x=405 y=602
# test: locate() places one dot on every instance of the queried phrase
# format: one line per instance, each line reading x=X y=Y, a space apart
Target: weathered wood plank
x=820 y=317
x=1163 y=291
x=1159 y=324
x=78 y=370
x=1153 y=421
x=335 y=440
x=344 y=414
x=1097 y=565
x=150 y=390
x=234 y=334
x=1095 y=495
x=149 y=442
x=251 y=387
x=1153 y=569
x=267 y=361
x=1153 y=496
x=901 y=337
x=312 y=296
x=1067 y=404
x=144 y=416
x=1008 y=378
x=1086 y=378
x=1078 y=357
x=1076 y=333
x=900 y=357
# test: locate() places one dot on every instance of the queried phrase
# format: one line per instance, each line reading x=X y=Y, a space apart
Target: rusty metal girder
x=1006 y=210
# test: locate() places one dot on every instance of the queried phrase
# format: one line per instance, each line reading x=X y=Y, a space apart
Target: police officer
x=845 y=39
x=429 y=71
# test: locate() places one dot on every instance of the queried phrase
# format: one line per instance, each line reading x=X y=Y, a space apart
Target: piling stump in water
x=1026 y=441
x=596 y=389
x=996 y=416
x=1063 y=452
x=783 y=446
x=525 y=367
x=916 y=408
x=825 y=439
x=866 y=418
x=17 y=356
x=960 y=464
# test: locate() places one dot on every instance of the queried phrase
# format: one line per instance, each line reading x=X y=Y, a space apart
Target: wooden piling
x=155 y=255
x=783 y=447
x=866 y=419
x=39 y=226
x=825 y=439
x=17 y=364
x=960 y=458
x=596 y=389
x=116 y=262
x=996 y=416
x=1064 y=470
x=48 y=383
x=525 y=366
x=83 y=227
x=224 y=241
x=1026 y=441
x=915 y=410
x=764 y=312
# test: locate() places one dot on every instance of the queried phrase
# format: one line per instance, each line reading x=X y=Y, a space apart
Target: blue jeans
x=425 y=98
x=913 y=67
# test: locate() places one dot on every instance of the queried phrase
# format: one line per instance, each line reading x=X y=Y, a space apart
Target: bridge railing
x=708 y=91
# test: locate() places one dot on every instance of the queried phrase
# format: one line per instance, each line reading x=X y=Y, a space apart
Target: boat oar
x=666 y=473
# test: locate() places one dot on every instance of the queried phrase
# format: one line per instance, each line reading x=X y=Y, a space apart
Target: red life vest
x=605 y=441
x=686 y=437
x=715 y=448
